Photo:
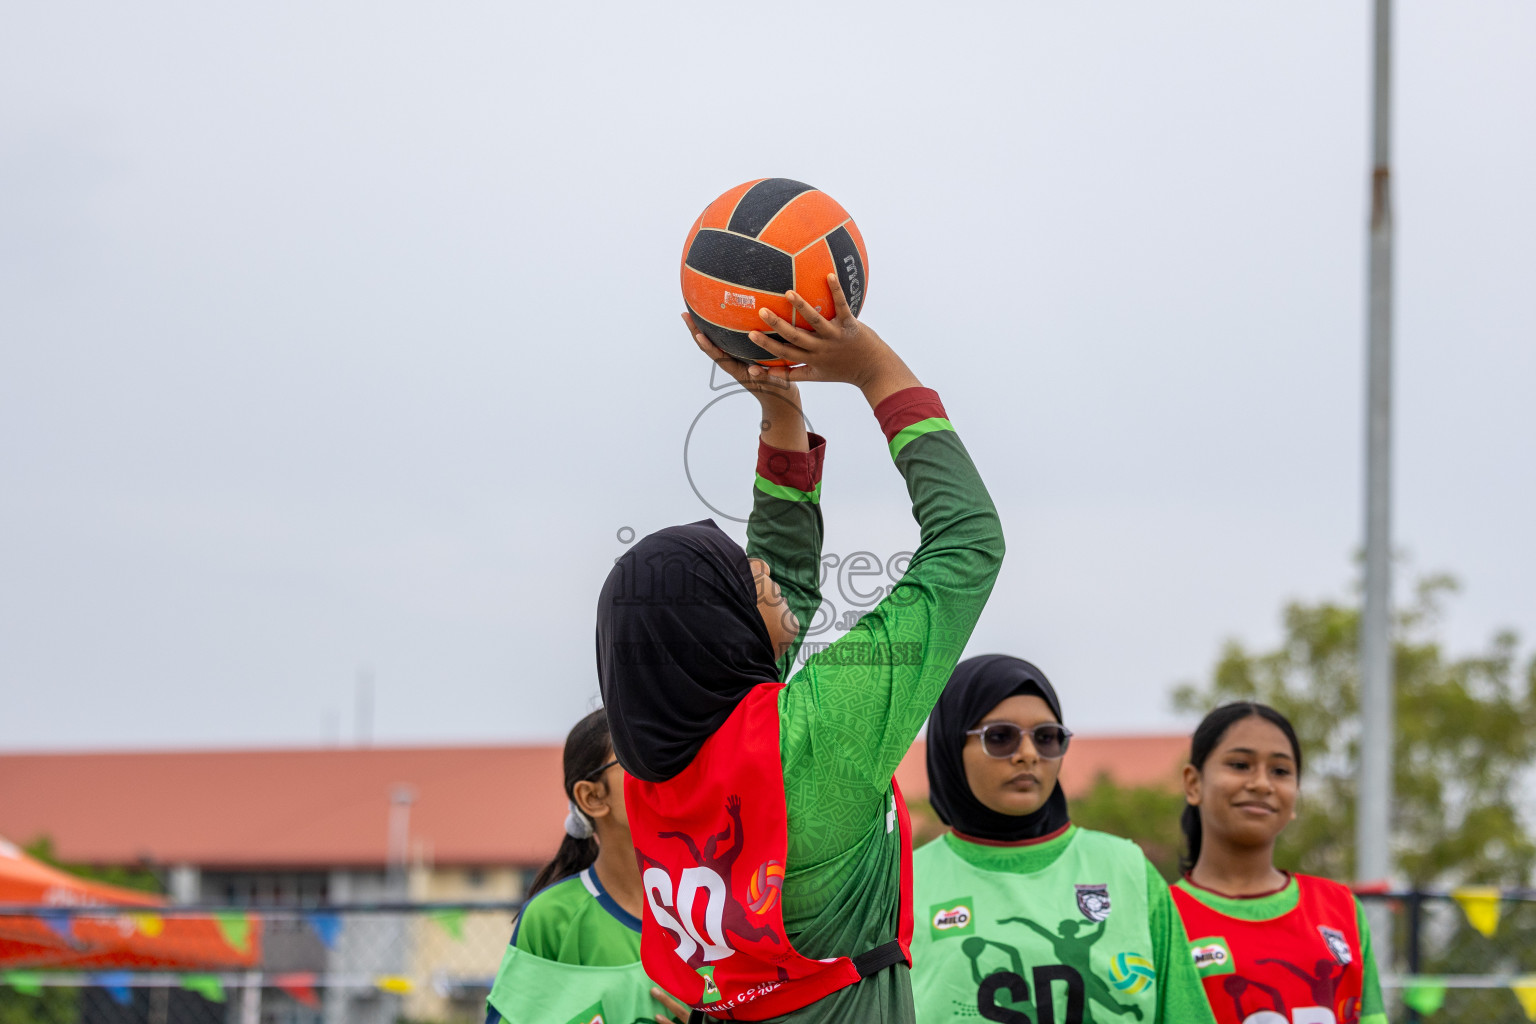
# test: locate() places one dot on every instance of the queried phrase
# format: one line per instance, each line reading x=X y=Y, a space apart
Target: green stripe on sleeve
x=786 y=493
x=917 y=430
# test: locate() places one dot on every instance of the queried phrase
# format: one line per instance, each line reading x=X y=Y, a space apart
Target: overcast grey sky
x=345 y=335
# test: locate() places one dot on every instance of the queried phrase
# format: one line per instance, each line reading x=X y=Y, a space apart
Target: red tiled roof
x=285 y=808
x=330 y=807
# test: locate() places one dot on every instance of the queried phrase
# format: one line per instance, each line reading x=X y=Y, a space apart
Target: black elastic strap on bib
x=879 y=958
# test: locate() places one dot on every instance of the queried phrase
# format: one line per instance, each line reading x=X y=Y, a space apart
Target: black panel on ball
x=755 y=209
x=850 y=267
x=734 y=343
x=736 y=260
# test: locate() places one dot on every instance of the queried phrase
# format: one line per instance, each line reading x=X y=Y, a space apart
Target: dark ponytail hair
x=1207 y=735
x=587 y=749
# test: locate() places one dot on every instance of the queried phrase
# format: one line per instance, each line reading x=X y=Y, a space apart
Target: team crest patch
x=1093 y=901
x=1337 y=944
x=1212 y=956
x=591 y=1015
x=952 y=917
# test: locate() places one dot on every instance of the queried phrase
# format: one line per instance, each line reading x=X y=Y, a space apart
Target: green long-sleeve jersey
x=851 y=712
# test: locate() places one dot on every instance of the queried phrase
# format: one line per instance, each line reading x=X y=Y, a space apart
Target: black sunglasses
x=1002 y=739
x=594 y=773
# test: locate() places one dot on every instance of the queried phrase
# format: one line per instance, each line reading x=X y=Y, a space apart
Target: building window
x=266 y=888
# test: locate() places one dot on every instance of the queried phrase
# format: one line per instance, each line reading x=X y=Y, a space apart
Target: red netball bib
x=712 y=843
x=1303 y=967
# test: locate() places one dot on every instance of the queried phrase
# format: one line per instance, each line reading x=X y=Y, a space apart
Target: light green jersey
x=1074 y=929
x=574 y=959
x=532 y=990
x=575 y=921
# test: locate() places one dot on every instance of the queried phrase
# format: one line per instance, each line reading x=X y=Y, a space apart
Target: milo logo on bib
x=952 y=917
x=1212 y=956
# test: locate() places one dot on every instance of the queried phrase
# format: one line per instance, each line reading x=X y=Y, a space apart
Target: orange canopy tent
x=108 y=927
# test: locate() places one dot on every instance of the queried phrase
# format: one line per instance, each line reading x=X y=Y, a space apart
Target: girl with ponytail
x=575 y=950
x=1269 y=944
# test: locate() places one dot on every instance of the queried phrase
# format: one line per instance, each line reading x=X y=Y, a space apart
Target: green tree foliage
x=1466 y=732
x=142 y=879
x=52 y=1006
x=1147 y=814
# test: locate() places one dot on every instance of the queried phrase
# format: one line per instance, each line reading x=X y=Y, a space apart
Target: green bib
x=532 y=990
x=1068 y=944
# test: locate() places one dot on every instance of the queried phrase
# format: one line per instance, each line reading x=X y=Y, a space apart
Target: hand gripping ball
x=758 y=241
x=1131 y=973
x=764 y=885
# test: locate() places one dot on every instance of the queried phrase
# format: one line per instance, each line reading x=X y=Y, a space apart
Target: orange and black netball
x=758 y=241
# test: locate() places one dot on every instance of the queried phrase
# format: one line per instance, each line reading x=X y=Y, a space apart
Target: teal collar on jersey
x=595 y=887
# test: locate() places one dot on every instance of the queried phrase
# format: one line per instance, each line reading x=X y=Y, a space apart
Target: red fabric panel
x=701 y=837
x=1287 y=963
x=904 y=408
x=800 y=470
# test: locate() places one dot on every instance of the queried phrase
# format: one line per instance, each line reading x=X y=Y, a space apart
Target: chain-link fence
x=381 y=964
x=1462 y=957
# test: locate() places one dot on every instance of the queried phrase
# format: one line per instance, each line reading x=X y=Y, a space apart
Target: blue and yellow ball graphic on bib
x=1131 y=973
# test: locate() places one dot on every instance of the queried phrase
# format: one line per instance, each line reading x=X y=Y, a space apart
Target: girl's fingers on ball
x=810 y=313
x=776 y=348
x=788 y=331
x=708 y=348
x=839 y=300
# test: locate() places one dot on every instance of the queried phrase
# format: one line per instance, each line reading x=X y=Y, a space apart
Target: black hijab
x=679 y=643
x=977 y=686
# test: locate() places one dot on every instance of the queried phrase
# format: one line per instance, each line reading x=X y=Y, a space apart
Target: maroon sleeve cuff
x=800 y=470
x=904 y=408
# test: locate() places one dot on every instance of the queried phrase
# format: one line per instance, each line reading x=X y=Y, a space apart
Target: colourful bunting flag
x=117 y=985
x=1525 y=991
x=62 y=925
x=451 y=921
x=148 y=924
x=236 y=930
x=28 y=983
x=393 y=983
x=1481 y=905
x=300 y=986
x=326 y=926
x=206 y=985
x=1424 y=995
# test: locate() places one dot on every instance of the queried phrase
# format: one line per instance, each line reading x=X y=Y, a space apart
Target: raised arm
x=868 y=694
x=877 y=684
x=784 y=529
x=852 y=712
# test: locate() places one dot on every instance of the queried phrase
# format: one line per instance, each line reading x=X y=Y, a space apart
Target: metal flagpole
x=1373 y=813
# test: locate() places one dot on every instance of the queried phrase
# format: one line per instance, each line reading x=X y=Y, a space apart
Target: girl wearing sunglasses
x=575 y=950
x=1021 y=915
